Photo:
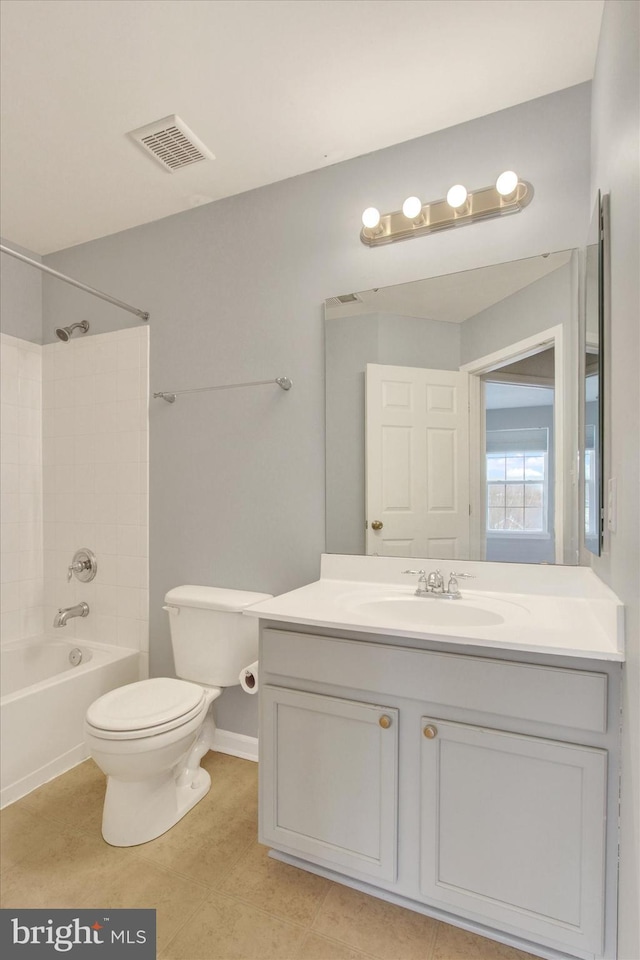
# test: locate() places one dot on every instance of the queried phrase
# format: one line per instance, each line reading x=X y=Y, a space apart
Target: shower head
x=64 y=333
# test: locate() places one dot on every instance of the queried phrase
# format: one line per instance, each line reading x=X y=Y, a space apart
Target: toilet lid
x=147 y=707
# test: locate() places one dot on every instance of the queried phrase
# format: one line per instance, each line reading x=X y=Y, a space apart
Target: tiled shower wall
x=21 y=611
x=74 y=460
x=95 y=486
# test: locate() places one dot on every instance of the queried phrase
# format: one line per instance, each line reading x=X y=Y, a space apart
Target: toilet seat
x=145 y=709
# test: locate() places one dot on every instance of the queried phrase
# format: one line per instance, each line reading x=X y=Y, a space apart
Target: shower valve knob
x=84 y=565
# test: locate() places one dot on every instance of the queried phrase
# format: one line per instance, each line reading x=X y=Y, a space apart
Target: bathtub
x=43 y=701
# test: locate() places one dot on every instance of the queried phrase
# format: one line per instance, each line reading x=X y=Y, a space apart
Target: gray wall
x=615 y=161
x=20 y=296
x=349 y=345
x=543 y=304
x=411 y=342
x=235 y=290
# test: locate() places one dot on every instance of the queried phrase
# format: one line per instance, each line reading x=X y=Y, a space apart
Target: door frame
x=551 y=337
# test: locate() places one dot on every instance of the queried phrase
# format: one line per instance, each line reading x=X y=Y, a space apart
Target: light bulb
x=507 y=183
x=412 y=207
x=371 y=218
x=457 y=196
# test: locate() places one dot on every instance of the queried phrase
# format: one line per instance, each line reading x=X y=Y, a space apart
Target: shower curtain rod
x=75 y=283
x=170 y=395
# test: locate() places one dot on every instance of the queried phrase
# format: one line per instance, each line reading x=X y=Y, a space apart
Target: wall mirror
x=452 y=415
x=592 y=483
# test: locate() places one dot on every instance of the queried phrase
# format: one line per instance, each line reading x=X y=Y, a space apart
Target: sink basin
x=426 y=612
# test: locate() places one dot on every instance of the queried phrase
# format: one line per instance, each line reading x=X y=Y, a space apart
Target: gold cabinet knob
x=430 y=731
x=377 y=525
x=385 y=721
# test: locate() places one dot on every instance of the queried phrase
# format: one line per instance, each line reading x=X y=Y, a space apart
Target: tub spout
x=65 y=613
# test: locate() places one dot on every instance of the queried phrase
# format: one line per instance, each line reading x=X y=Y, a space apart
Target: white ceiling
x=454 y=297
x=274 y=88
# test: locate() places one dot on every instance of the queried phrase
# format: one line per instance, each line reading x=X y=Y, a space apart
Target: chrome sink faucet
x=66 y=613
x=435 y=582
x=432 y=584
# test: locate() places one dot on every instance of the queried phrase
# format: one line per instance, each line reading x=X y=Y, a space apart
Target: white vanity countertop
x=566 y=611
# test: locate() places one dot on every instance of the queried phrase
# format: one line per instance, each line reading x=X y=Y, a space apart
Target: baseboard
x=236 y=744
x=225 y=741
x=56 y=767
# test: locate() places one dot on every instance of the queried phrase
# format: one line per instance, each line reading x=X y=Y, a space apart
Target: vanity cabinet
x=332 y=786
x=463 y=786
x=512 y=828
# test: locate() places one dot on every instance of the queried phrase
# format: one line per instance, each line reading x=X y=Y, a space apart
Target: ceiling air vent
x=171 y=143
x=342 y=299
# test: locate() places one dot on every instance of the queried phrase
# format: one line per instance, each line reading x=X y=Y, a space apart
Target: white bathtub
x=43 y=703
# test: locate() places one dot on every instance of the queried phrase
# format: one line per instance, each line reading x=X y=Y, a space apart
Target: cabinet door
x=329 y=780
x=512 y=831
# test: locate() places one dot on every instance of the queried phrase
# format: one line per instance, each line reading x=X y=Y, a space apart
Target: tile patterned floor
x=217 y=894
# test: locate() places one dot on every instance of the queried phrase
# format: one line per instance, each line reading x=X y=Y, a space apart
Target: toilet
x=149 y=737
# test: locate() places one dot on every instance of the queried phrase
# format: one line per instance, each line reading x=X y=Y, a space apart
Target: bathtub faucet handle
x=84 y=565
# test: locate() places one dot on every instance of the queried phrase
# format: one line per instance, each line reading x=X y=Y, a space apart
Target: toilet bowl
x=149 y=737
x=143 y=736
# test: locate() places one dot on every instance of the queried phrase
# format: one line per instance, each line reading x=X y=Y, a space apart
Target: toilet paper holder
x=249 y=678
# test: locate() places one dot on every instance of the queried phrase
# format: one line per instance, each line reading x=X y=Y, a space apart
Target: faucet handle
x=76 y=566
x=421 y=574
x=422 y=589
x=84 y=565
x=463 y=576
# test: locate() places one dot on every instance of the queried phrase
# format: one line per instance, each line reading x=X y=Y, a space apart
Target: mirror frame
x=599 y=233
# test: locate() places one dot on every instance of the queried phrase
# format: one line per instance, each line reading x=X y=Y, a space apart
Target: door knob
x=430 y=731
x=385 y=721
x=377 y=525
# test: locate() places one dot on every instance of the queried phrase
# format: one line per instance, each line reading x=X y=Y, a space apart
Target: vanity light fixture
x=371 y=217
x=507 y=183
x=412 y=208
x=509 y=194
x=457 y=196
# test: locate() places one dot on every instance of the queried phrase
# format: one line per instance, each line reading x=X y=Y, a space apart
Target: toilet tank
x=212 y=640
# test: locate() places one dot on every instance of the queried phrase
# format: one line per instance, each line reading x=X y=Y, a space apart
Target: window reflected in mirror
x=520 y=465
